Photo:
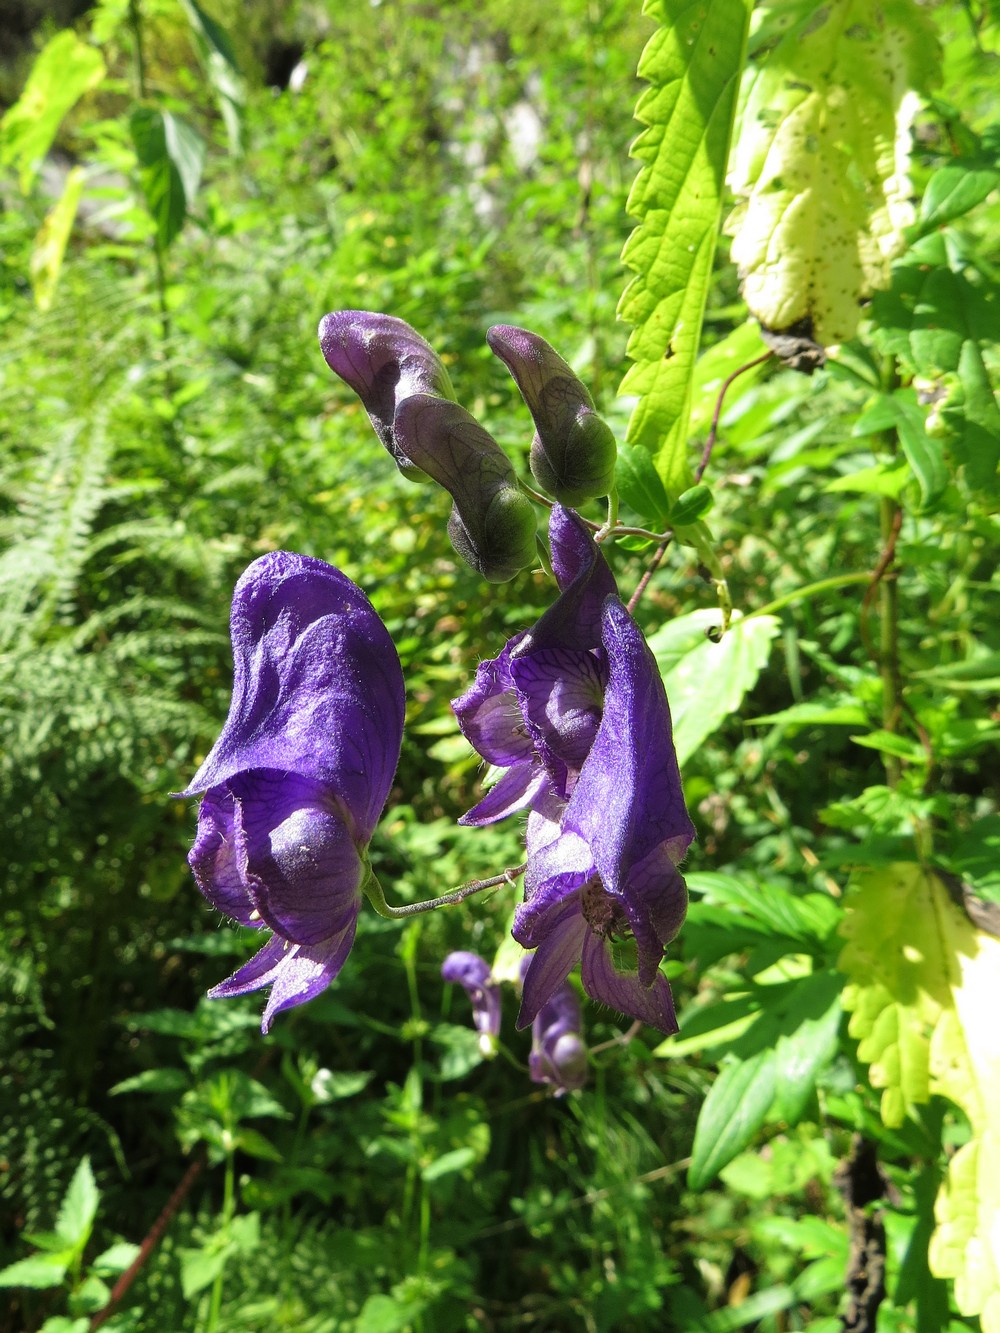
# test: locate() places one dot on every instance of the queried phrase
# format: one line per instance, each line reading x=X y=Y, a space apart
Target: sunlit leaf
x=171 y=155
x=50 y=243
x=216 y=53
x=65 y=69
x=79 y=1206
x=707 y=683
x=693 y=64
x=821 y=162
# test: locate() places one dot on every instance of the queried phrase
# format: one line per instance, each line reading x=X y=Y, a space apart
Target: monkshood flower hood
x=295 y=784
x=575 y=711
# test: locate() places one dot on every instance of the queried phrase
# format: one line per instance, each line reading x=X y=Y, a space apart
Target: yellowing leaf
x=821 y=162
x=50 y=243
x=924 y=991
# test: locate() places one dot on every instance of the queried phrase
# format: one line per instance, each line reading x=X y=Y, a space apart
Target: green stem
x=228 y=1203
x=810 y=590
x=888 y=603
x=135 y=22
x=376 y=896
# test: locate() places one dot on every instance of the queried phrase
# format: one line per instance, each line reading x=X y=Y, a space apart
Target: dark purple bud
x=492 y=524
x=473 y=974
x=296 y=782
x=384 y=361
x=573 y=453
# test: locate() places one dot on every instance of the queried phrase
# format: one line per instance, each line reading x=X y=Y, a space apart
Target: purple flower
x=576 y=712
x=534 y=710
x=295 y=784
x=573 y=452
x=558 y=1054
x=473 y=973
x=384 y=361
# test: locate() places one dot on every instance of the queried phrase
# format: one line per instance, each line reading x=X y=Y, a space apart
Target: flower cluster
x=572 y=711
x=558 y=1053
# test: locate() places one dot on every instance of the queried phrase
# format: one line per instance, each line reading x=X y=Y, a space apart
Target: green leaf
x=171 y=155
x=953 y=191
x=706 y=685
x=200 y=1268
x=640 y=487
x=462 y=1051
x=38 y=1271
x=216 y=53
x=937 y=321
x=807 y=919
x=50 y=243
x=923 y=452
x=448 y=1164
x=79 y=1206
x=254 y=1144
x=735 y=1108
x=693 y=64
x=829 y=104
x=153 y=1080
x=691 y=505
x=65 y=69
x=115 y=1259
x=813 y=715
x=90 y=1296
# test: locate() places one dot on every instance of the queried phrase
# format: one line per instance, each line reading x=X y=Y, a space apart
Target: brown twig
x=153 y=1238
x=714 y=428
x=862 y=1182
x=881 y=570
x=648 y=573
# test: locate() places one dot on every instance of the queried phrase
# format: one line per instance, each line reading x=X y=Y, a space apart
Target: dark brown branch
x=714 y=428
x=862 y=1182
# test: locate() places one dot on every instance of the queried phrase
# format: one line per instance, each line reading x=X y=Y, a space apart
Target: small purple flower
x=473 y=974
x=384 y=361
x=295 y=784
x=573 y=452
x=558 y=1053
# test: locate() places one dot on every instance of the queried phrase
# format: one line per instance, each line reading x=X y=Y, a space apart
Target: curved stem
x=824 y=585
x=706 y=456
x=375 y=895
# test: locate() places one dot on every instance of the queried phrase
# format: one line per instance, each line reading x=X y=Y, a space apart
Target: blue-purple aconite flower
x=558 y=1053
x=293 y=788
x=473 y=973
x=575 y=712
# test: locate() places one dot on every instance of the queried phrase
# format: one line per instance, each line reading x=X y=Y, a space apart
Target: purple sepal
x=384 y=361
x=296 y=782
x=573 y=452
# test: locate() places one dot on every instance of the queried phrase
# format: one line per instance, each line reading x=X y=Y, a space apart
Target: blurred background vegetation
x=167 y=418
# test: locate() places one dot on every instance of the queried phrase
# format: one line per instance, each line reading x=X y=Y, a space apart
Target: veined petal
x=655 y=905
x=307 y=971
x=213 y=858
x=473 y=974
x=384 y=361
x=318 y=688
x=298 y=859
x=551 y=963
x=488 y=713
x=624 y=991
x=258 y=972
x=586 y=581
x=516 y=790
x=555 y=875
x=560 y=692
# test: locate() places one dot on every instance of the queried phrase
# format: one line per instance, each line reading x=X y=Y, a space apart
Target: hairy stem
x=375 y=895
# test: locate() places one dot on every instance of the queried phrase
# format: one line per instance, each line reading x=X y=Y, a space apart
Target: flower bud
x=573 y=452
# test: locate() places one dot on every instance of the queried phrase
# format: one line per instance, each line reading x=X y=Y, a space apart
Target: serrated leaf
x=64 y=70
x=50 y=243
x=171 y=155
x=692 y=64
x=115 y=1259
x=821 y=162
x=925 y=993
x=735 y=1108
x=707 y=684
x=79 y=1206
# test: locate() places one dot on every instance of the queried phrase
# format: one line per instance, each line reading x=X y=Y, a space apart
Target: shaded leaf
x=735 y=1108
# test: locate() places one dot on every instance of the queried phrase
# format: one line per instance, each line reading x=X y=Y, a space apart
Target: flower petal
x=318 y=688
x=298 y=859
x=488 y=712
x=624 y=991
x=552 y=961
x=384 y=361
x=307 y=971
x=518 y=789
x=560 y=692
x=213 y=858
x=258 y=972
x=473 y=974
x=555 y=875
